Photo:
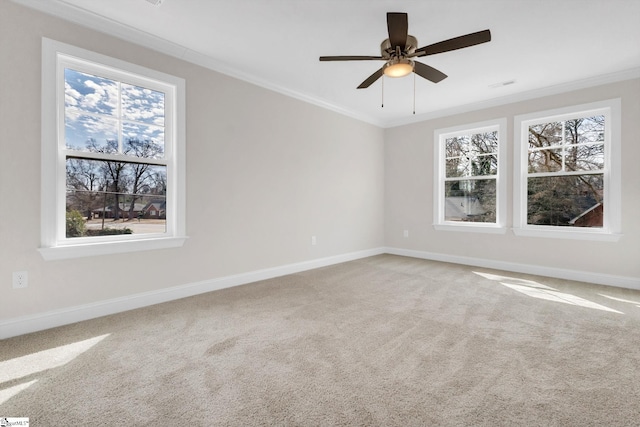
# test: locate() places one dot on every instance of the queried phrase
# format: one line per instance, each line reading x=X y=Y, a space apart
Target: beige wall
x=409 y=193
x=264 y=173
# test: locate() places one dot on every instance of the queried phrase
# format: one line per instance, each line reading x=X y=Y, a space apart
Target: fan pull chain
x=382 y=92
x=414 y=93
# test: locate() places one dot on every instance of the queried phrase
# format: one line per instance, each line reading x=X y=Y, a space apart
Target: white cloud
x=71 y=95
x=96 y=87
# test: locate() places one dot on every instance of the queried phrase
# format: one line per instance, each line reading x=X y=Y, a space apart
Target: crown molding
x=88 y=19
x=85 y=18
x=633 y=73
x=220 y=67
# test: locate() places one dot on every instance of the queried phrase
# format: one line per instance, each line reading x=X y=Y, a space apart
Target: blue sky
x=99 y=108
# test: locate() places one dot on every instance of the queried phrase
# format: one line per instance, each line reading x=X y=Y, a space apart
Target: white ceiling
x=545 y=46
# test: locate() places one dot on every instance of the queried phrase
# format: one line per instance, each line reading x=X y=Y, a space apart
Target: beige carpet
x=383 y=341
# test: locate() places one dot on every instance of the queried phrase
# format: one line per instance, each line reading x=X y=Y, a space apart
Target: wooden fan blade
x=416 y=54
x=349 y=58
x=398 y=27
x=457 y=43
x=372 y=78
x=429 y=73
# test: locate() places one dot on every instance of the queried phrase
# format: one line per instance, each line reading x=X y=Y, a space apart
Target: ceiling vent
x=507 y=83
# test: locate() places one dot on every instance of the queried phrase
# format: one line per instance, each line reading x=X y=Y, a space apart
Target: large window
x=567 y=174
x=470 y=191
x=112 y=155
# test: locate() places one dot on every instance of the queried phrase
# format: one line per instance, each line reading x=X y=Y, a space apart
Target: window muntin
x=113 y=155
x=567 y=172
x=468 y=186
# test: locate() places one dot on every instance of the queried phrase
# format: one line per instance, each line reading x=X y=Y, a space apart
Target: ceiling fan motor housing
x=386 y=51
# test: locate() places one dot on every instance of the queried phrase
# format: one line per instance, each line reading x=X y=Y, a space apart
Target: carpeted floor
x=382 y=341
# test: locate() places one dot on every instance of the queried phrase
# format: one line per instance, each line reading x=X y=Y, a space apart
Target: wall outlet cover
x=20 y=279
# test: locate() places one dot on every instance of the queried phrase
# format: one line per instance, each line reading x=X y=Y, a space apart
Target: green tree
x=75 y=224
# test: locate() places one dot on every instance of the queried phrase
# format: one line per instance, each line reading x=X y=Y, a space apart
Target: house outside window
x=113 y=155
x=469 y=186
x=567 y=170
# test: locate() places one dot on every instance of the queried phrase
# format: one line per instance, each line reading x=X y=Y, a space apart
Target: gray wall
x=409 y=193
x=264 y=173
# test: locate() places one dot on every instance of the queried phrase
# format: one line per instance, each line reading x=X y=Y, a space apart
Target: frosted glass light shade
x=398 y=68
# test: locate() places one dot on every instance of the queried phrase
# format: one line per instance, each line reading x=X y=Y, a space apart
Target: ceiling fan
x=400 y=48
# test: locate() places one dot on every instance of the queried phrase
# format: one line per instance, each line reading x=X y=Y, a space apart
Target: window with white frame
x=568 y=172
x=112 y=155
x=469 y=187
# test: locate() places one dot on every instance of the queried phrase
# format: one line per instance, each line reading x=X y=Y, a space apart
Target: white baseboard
x=560 y=273
x=51 y=319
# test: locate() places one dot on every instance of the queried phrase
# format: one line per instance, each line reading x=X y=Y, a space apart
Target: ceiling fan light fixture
x=398 y=67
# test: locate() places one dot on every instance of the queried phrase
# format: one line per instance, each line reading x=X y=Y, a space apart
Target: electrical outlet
x=313 y=240
x=20 y=279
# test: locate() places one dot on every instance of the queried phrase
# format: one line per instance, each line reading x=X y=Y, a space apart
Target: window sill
x=593 y=235
x=108 y=248
x=471 y=228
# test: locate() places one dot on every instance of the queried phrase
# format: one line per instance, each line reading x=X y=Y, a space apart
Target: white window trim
x=612 y=177
x=439 y=137
x=54 y=245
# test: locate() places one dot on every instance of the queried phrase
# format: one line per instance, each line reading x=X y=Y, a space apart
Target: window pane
x=545 y=135
x=143 y=141
x=472 y=144
x=142 y=105
x=457 y=166
x=545 y=161
x=485 y=143
x=470 y=200
x=106 y=198
x=484 y=165
x=585 y=157
x=565 y=200
x=472 y=155
x=584 y=130
x=458 y=146
x=83 y=132
x=89 y=93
